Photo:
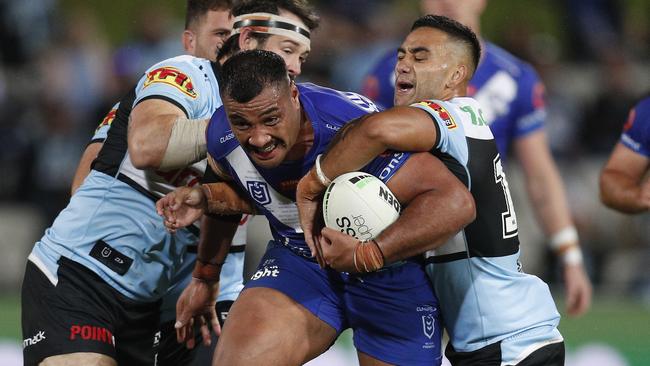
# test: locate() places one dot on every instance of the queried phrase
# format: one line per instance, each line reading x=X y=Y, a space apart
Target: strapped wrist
x=368 y=257
x=322 y=178
x=565 y=245
x=565 y=237
x=207 y=271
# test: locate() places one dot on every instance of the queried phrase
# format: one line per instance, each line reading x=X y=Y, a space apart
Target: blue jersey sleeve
x=530 y=110
x=386 y=165
x=636 y=132
x=101 y=132
x=219 y=137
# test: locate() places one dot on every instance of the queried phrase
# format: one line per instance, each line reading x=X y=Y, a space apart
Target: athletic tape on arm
x=186 y=144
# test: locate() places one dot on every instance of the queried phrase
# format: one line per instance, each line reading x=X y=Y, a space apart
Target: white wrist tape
x=319 y=173
x=565 y=244
x=572 y=256
x=186 y=144
x=566 y=236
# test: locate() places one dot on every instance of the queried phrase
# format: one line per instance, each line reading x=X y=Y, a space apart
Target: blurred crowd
x=62 y=67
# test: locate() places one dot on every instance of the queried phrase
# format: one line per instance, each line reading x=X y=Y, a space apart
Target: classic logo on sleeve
x=107 y=120
x=442 y=113
x=171 y=76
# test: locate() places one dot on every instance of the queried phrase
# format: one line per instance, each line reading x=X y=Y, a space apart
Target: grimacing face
x=425 y=62
x=267 y=126
x=210 y=33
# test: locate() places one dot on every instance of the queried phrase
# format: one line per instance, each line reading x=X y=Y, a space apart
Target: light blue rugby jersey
x=273 y=190
x=484 y=295
x=110 y=225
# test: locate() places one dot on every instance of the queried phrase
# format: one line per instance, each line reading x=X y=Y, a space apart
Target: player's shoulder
x=498 y=58
x=643 y=106
x=182 y=61
x=220 y=138
x=327 y=101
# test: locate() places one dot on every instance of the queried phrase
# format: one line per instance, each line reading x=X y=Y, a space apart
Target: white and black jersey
x=485 y=296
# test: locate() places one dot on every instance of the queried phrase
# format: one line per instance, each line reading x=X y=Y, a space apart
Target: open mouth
x=265 y=152
x=404 y=86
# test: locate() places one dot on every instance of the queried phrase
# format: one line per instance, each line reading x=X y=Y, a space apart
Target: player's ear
x=295 y=93
x=246 y=40
x=189 y=41
x=458 y=76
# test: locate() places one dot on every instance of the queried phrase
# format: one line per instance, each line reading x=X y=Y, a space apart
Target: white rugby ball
x=360 y=205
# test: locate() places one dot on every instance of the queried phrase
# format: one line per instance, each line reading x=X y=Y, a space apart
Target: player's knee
x=79 y=358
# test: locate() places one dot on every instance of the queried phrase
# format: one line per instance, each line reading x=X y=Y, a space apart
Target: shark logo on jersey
x=259 y=191
x=428 y=325
x=171 y=76
x=442 y=113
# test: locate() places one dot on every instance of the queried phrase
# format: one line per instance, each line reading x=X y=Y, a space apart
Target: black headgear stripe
x=270 y=24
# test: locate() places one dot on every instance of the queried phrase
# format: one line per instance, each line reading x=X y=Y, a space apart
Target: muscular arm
x=543 y=182
x=150 y=128
x=438 y=206
x=399 y=128
x=216 y=237
x=84 y=164
x=622 y=183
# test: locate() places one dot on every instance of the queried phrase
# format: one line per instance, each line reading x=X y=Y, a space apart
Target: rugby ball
x=360 y=205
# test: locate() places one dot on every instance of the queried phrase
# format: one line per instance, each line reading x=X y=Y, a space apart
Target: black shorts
x=173 y=353
x=549 y=355
x=82 y=313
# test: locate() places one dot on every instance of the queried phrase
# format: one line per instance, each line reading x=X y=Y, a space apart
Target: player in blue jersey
x=495 y=314
x=512 y=97
x=624 y=185
x=269 y=133
x=105 y=241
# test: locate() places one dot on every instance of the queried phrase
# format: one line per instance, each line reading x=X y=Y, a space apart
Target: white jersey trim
x=40 y=265
x=530 y=349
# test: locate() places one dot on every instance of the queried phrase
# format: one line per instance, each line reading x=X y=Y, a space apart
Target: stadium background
x=64 y=62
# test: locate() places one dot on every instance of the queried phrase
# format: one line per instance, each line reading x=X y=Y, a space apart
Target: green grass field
x=623 y=325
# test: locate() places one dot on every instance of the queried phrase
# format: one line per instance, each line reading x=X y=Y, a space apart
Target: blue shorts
x=393 y=312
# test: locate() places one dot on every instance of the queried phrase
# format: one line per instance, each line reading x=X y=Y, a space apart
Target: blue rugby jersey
x=508 y=89
x=273 y=190
x=484 y=295
x=636 y=132
x=110 y=225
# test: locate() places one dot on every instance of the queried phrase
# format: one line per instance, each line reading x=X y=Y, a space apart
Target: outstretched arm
x=622 y=184
x=399 y=128
x=546 y=192
x=196 y=305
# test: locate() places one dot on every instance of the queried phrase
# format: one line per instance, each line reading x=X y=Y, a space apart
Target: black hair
x=300 y=8
x=455 y=30
x=198 y=8
x=246 y=74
